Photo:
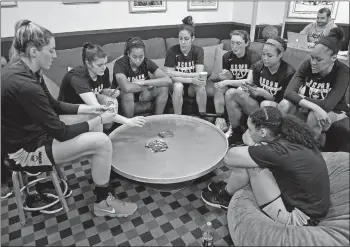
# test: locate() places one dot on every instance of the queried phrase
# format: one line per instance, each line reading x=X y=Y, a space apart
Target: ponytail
x=187 y=24
x=295 y=130
x=91 y=52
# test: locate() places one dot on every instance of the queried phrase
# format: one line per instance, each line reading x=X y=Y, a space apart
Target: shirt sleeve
x=59 y=106
x=35 y=101
x=306 y=29
x=298 y=79
x=199 y=56
x=151 y=66
x=264 y=156
x=341 y=82
x=105 y=79
x=119 y=68
x=170 y=59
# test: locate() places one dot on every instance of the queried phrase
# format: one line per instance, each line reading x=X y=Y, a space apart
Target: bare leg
x=201 y=96
x=127 y=104
x=287 y=107
x=97 y=144
x=238 y=102
x=178 y=89
x=160 y=95
x=238 y=179
x=219 y=100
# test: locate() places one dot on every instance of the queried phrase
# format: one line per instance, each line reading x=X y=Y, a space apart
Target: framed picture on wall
x=308 y=9
x=147 y=6
x=80 y=1
x=202 y=5
x=6 y=3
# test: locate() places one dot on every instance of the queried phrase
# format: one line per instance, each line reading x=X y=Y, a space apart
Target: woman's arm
x=172 y=73
x=162 y=79
x=187 y=77
x=89 y=98
x=126 y=86
x=237 y=83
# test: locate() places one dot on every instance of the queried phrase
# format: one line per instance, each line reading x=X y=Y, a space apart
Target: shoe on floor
x=36 y=202
x=113 y=207
x=236 y=136
x=6 y=191
x=220 y=199
x=221 y=124
x=48 y=188
x=229 y=131
x=215 y=187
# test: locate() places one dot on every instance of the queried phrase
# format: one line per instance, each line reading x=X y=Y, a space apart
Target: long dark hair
x=289 y=127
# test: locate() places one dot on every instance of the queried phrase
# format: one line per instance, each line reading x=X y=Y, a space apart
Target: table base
x=170 y=187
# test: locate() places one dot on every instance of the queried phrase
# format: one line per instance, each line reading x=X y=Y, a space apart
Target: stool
x=18 y=187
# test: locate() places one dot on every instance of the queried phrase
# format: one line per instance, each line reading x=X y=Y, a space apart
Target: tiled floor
x=162 y=219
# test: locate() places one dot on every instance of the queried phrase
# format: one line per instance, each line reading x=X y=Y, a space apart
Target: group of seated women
x=34 y=124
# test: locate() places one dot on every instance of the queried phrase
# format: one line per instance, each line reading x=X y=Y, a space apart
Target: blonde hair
x=29 y=34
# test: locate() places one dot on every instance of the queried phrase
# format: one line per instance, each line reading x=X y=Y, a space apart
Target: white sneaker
x=113 y=207
x=228 y=132
x=221 y=124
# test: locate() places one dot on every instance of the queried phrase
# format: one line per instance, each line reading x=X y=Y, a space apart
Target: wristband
x=101 y=118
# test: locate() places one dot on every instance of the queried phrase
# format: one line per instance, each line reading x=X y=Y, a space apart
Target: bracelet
x=101 y=118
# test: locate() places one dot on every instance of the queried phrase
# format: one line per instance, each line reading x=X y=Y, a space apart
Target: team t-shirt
x=186 y=64
x=122 y=66
x=315 y=32
x=78 y=81
x=276 y=83
x=328 y=92
x=301 y=175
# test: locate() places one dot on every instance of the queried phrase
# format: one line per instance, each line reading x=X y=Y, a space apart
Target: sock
x=101 y=193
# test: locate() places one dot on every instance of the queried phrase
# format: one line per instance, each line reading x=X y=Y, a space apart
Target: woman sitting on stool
x=89 y=84
x=31 y=127
x=132 y=72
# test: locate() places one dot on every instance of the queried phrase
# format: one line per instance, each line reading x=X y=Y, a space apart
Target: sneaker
x=36 y=202
x=113 y=207
x=48 y=188
x=221 y=124
x=215 y=187
x=236 y=136
x=6 y=191
x=220 y=199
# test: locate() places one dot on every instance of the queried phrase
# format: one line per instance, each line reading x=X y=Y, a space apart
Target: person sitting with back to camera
x=89 y=84
x=237 y=71
x=183 y=63
x=316 y=93
x=282 y=163
x=133 y=74
x=31 y=126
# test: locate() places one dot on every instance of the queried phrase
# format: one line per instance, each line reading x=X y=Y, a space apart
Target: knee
x=232 y=94
x=178 y=89
x=102 y=141
x=285 y=106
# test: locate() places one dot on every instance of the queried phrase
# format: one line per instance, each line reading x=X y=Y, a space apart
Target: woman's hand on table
x=136 y=121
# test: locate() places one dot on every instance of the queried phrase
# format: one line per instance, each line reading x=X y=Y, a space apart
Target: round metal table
x=195 y=150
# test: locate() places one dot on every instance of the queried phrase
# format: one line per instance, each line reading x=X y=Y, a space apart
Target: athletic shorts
x=38 y=160
x=277 y=211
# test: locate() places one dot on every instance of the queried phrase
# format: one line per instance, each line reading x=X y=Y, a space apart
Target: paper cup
x=203 y=75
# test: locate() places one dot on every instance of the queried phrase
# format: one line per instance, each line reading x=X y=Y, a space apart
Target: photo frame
x=147 y=6
x=197 y=5
x=308 y=9
x=7 y=4
x=80 y=1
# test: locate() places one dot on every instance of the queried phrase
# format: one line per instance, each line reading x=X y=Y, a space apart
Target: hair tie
x=276 y=44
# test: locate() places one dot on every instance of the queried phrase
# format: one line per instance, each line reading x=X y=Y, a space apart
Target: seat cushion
x=227 y=44
x=248 y=226
x=114 y=50
x=202 y=42
x=65 y=58
x=155 y=48
x=209 y=57
x=159 y=62
x=217 y=66
x=51 y=86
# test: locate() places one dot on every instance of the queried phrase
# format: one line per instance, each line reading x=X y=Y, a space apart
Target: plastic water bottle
x=208 y=235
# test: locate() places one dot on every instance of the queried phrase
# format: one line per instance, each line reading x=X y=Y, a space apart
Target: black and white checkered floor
x=162 y=219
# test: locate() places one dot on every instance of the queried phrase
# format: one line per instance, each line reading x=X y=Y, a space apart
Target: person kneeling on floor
x=287 y=173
